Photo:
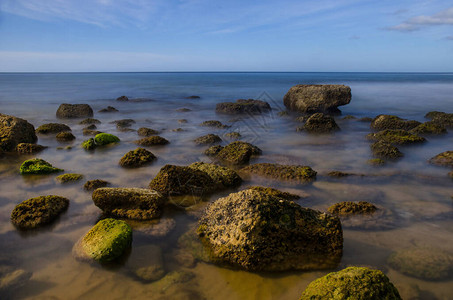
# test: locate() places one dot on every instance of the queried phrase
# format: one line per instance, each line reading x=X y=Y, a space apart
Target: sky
x=211 y=35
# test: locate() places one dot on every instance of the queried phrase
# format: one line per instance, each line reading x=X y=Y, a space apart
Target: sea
x=415 y=195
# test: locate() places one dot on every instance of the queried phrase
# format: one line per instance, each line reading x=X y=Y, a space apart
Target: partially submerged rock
x=399 y=137
x=384 y=122
x=37 y=166
x=238 y=153
x=52 y=128
x=426 y=263
x=193 y=97
x=69 y=177
x=213 y=150
x=256 y=231
x=376 y=162
x=91 y=185
x=320 y=123
x=14 y=131
x=382 y=149
x=233 y=135
x=223 y=177
x=154 y=140
x=122 y=98
x=349 y=207
x=214 y=123
x=293 y=173
x=102 y=139
x=242 y=106
x=443 y=159
x=136 y=158
x=27 y=148
x=440 y=118
x=68 y=111
x=65 y=136
x=317 y=98
x=38 y=211
x=123 y=123
x=352 y=283
x=108 y=109
x=12 y=279
x=428 y=128
x=143 y=131
x=105 y=242
x=130 y=203
x=275 y=193
x=89 y=144
x=208 y=139
x=89 y=121
x=92 y=132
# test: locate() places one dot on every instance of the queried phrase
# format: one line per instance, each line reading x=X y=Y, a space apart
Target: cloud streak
x=444 y=17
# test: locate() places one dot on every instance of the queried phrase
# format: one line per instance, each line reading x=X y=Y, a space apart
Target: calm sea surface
x=416 y=194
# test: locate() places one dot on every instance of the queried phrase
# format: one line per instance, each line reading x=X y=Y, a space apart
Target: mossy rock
x=137 y=158
x=37 y=166
x=27 y=148
x=69 y=177
x=275 y=193
x=399 y=137
x=243 y=106
x=122 y=98
x=208 y=139
x=238 y=153
x=223 y=177
x=123 y=123
x=130 y=203
x=143 y=131
x=89 y=121
x=260 y=232
x=214 y=123
x=89 y=144
x=68 y=111
x=154 y=140
x=14 y=131
x=91 y=185
x=349 y=117
x=339 y=174
x=65 y=136
x=108 y=109
x=353 y=283
x=294 y=173
x=384 y=122
x=38 y=211
x=382 y=149
x=105 y=242
x=180 y=180
x=91 y=132
x=443 y=159
x=52 y=128
x=233 y=135
x=91 y=127
x=426 y=263
x=213 y=150
x=320 y=123
x=376 y=162
x=102 y=139
x=428 y=128
x=349 y=207
x=440 y=118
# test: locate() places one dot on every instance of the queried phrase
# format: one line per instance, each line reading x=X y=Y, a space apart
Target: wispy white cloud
x=444 y=17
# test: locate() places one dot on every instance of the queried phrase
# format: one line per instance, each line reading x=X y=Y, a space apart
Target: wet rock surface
x=91 y=185
x=27 y=148
x=443 y=159
x=137 y=158
x=208 y=139
x=243 y=106
x=293 y=173
x=237 y=153
x=14 y=131
x=154 y=140
x=37 y=166
x=384 y=122
x=320 y=123
x=50 y=128
x=69 y=111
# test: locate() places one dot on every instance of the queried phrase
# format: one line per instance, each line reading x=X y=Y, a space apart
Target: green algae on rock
x=143 y=131
x=423 y=262
x=234 y=135
x=399 y=137
x=102 y=139
x=213 y=150
x=443 y=159
x=383 y=149
x=14 y=131
x=105 y=242
x=137 y=158
x=208 y=139
x=223 y=177
x=89 y=144
x=27 y=148
x=238 y=153
x=275 y=193
x=358 y=283
x=37 y=166
x=429 y=127
x=440 y=118
x=65 y=136
x=214 y=123
x=349 y=207
x=52 y=128
x=69 y=177
x=293 y=173
x=38 y=211
x=320 y=123
x=91 y=185
x=260 y=232
x=154 y=140
x=384 y=122
x=131 y=203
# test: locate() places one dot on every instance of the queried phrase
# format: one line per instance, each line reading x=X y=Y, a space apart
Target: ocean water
x=417 y=194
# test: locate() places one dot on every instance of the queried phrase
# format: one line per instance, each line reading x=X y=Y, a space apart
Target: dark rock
x=430 y=127
x=443 y=159
x=214 y=123
x=154 y=140
x=256 y=231
x=91 y=185
x=92 y=132
x=243 y=106
x=38 y=211
x=65 y=136
x=208 y=139
x=143 y=131
x=399 y=137
x=223 y=177
x=184 y=109
x=182 y=121
x=68 y=111
x=382 y=149
x=26 y=148
x=339 y=174
x=275 y=193
x=317 y=98
x=136 y=158
x=193 y=97
x=108 y=109
x=376 y=162
x=14 y=131
x=123 y=123
x=122 y=98
x=37 y=166
x=91 y=127
x=69 y=177
x=213 y=150
x=440 y=118
x=349 y=117
x=294 y=173
x=384 y=122
x=238 y=153
x=52 y=128
x=320 y=123
x=233 y=135
x=349 y=207
x=366 y=119
x=89 y=121
x=130 y=203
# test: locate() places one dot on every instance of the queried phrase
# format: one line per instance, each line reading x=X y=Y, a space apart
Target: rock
x=275 y=193
x=366 y=119
x=440 y=118
x=223 y=177
x=428 y=128
x=146 y=131
x=102 y=139
x=376 y=162
x=89 y=121
x=184 y=109
x=238 y=153
x=256 y=231
x=91 y=127
x=208 y=139
x=243 y=106
x=384 y=122
x=349 y=117
x=173 y=278
x=154 y=140
x=108 y=109
x=26 y=148
x=123 y=123
x=14 y=131
x=65 y=136
x=105 y=242
x=38 y=211
x=179 y=181
x=317 y=98
x=178 y=130
x=91 y=185
x=87 y=131
x=11 y=279
x=68 y=111
x=293 y=173
x=426 y=263
x=214 y=123
x=146 y=263
x=233 y=135
x=349 y=207
x=399 y=137
x=320 y=123
x=122 y=98
x=182 y=121
x=213 y=150
x=52 y=128
x=386 y=150
x=69 y=177
x=136 y=158
x=157 y=230
x=339 y=174
x=193 y=97
x=352 y=283
x=443 y=159
x=37 y=166
x=130 y=203
x=89 y=144
x=191 y=245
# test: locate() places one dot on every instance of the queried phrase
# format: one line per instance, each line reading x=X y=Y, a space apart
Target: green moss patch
x=37 y=166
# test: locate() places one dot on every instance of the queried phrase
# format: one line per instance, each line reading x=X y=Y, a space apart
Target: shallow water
x=417 y=194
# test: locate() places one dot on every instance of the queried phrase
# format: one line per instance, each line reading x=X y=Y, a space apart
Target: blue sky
x=209 y=35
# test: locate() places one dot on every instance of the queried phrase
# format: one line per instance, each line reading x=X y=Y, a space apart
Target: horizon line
x=82 y=72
